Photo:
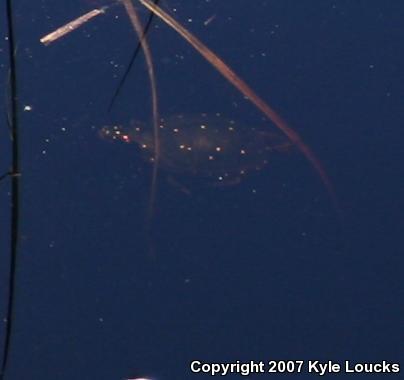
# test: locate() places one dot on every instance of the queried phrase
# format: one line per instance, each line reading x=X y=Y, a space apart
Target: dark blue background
x=263 y=270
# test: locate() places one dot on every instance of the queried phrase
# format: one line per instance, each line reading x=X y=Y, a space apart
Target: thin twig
x=137 y=25
x=71 y=26
x=132 y=59
x=15 y=190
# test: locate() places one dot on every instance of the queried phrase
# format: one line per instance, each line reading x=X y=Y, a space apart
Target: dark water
x=260 y=269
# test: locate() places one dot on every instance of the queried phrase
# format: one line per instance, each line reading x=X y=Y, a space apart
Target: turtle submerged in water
x=209 y=149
